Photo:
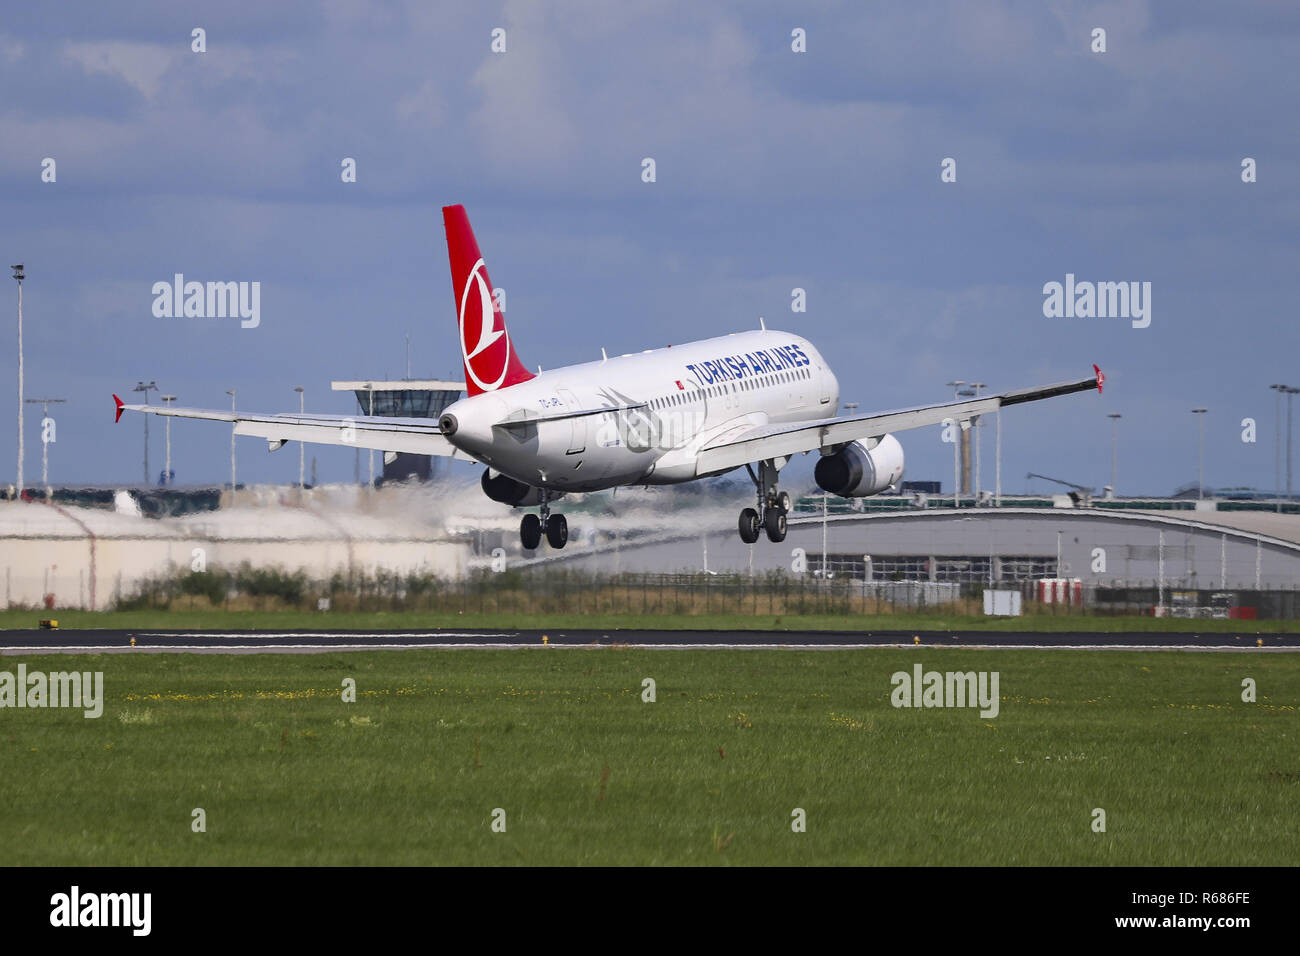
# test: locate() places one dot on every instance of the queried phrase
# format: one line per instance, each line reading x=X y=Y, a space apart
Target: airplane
x=664 y=416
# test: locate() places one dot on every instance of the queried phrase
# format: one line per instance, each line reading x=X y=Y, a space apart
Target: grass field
x=709 y=773
x=218 y=619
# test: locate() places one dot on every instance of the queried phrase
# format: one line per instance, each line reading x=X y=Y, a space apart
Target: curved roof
x=1273 y=529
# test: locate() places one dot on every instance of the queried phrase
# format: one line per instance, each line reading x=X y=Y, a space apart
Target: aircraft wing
x=756 y=443
x=417 y=436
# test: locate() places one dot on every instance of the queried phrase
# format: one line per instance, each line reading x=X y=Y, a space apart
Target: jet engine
x=506 y=490
x=857 y=471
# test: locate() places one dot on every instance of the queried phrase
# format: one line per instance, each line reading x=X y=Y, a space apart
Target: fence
x=775 y=594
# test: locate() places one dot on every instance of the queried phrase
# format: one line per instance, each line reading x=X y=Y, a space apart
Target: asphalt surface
x=264 y=642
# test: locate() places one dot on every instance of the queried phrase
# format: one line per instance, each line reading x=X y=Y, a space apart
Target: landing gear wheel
x=557 y=531
x=530 y=532
x=749 y=526
x=774 y=523
x=784 y=503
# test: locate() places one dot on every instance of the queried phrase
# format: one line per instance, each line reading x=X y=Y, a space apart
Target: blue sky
x=775 y=169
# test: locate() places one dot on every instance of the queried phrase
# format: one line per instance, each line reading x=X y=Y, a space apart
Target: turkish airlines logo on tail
x=485 y=347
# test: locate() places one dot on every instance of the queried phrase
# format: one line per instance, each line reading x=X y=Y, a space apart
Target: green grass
x=287 y=773
x=398 y=620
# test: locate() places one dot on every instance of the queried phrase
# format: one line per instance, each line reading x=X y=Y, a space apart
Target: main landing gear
x=773 y=506
x=533 y=526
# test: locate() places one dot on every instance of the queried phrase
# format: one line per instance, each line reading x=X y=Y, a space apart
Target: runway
x=299 y=642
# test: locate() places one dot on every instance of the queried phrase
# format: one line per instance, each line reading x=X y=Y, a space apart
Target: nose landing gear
x=773 y=506
x=555 y=527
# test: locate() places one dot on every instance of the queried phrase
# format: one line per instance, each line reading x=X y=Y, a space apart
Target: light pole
x=1114 y=451
x=231 y=393
x=966 y=435
x=371 y=454
x=956 y=450
x=997 y=462
x=975 y=425
x=46 y=422
x=145 y=387
x=1289 y=392
x=19 y=275
x=302 y=450
x=1200 y=462
x=167 y=430
x=1277 y=447
x=825 y=511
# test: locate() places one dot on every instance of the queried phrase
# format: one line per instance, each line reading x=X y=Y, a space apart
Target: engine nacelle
x=857 y=472
x=506 y=490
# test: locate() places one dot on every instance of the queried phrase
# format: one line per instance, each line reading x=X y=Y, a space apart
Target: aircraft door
x=578 y=434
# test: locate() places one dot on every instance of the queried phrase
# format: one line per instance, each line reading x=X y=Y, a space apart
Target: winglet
x=120 y=403
x=1101 y=378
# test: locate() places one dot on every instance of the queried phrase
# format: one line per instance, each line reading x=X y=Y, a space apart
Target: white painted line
x=327 y=648
x=245 y=635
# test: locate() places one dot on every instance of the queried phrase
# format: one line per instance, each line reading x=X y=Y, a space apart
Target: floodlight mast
x=302 y=452
x=1200 y=461
x=231 y=393
x=45 y=404
x=19 y=275
x=1114 y=451
x=167 y=466
x=146 y=387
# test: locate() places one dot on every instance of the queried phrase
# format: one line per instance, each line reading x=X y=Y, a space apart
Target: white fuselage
x=693 y=393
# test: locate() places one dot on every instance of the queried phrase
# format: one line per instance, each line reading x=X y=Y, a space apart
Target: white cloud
x=423 y=106
x=11 y=49
x=140 y=65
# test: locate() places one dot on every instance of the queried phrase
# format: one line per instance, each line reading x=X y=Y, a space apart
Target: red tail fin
x=485 y=346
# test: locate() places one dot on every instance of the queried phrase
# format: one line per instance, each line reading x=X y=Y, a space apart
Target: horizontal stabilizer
x=416 y=436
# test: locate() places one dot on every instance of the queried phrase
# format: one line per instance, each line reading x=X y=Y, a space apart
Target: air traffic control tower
x=407 y=398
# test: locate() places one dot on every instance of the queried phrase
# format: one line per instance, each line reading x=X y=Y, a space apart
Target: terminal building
x=1161 y=544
